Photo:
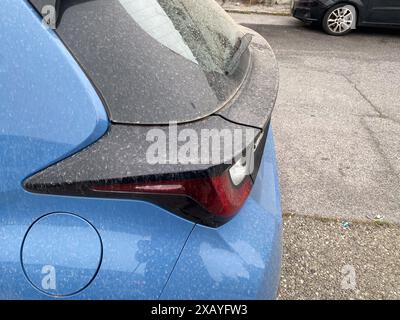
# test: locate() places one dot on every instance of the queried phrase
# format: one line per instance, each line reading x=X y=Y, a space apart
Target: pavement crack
x=376 y=109
x=380 y=114
x=379 y=149
x=370 y=132
x=354 y=85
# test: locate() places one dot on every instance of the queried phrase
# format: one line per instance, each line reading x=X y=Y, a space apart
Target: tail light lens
x=219 y=195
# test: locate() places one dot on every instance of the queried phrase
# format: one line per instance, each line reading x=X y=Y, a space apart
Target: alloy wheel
x=340 y=20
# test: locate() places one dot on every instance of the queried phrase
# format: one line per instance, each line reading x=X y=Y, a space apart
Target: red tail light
x=218 y=195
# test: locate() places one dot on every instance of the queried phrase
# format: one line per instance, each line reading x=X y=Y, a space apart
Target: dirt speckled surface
x=317 y=251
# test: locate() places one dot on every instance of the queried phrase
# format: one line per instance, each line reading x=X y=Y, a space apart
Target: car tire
x=340 y=20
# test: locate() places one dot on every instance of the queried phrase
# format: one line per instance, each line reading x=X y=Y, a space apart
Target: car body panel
x=45 y=98
x=240 y=260
x=383 y=12
x=141 y=244
x=309 y=10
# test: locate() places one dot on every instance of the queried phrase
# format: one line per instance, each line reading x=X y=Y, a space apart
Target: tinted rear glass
x=155 y=61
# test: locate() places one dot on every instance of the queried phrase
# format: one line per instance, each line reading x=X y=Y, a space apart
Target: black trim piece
x=119 y=157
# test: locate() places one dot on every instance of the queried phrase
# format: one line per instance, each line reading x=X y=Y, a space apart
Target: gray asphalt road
x=337 y=119
x=337 y=132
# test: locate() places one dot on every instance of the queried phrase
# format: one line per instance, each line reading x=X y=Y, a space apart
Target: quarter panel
x=48 y=107
x=140 y=245
x=240 y=260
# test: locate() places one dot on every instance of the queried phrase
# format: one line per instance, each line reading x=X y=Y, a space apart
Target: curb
x=266 y=12
x=275 y=10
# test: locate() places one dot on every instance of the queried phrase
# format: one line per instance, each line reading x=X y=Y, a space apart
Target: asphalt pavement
x=337 y=120
x=329 y=259
x=337 y=132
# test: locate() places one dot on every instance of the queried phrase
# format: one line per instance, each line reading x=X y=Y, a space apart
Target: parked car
x=83 y=213
x=339 y=17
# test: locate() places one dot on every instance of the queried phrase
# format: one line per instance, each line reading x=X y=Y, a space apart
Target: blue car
x=113 y=181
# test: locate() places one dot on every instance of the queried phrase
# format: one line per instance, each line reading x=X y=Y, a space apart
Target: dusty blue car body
x=117 y=249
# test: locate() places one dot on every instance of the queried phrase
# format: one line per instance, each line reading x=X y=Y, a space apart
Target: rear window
x=155 y=61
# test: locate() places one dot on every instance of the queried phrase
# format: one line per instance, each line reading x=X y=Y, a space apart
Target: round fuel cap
x=61 y=254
